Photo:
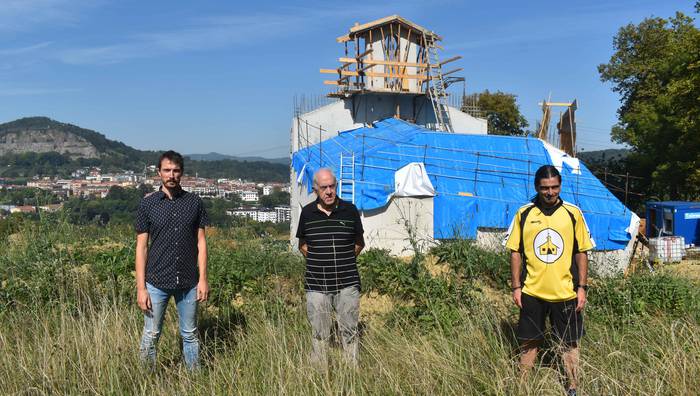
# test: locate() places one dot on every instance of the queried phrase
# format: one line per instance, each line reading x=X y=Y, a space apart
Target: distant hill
x=599 y=157
x=44 y=135
x=40 y=146
x=218 y=157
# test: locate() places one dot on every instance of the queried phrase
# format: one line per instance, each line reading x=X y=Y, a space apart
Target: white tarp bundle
x=412 y=181
x=559 y=157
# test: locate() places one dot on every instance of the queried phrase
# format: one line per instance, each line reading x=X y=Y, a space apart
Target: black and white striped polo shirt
x=330 y=239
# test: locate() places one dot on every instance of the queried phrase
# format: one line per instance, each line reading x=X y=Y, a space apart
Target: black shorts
x=567 y=324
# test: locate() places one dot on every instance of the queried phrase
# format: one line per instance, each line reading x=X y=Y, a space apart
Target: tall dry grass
x=94 y=351
x=68 y=325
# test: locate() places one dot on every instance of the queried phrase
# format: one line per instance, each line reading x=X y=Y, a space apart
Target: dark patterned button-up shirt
x=172 y=226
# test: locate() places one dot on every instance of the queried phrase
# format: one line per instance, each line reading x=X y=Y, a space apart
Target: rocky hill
x=44 y=135
x=40 y=146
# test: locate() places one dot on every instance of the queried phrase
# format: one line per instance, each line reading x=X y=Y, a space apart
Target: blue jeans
x=186 y=301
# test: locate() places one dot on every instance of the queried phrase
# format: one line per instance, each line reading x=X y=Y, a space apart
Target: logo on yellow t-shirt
x=548 y=246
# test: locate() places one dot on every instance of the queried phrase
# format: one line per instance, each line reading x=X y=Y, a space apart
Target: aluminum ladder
x=437 y=89
x=346 y=185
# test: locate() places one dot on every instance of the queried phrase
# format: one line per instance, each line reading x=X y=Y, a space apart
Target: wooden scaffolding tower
x=394 y=55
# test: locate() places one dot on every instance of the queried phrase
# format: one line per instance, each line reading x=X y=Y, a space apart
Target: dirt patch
x=686 y=268
x=499 y=300
x=436 y=269
x=374 y=308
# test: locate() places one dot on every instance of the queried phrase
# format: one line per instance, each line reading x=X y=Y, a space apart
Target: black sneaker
x=571 y=392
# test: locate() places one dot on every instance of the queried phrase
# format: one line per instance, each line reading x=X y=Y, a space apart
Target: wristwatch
x=584 y=287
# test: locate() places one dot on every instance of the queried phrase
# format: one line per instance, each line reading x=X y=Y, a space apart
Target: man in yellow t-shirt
x=548 y=240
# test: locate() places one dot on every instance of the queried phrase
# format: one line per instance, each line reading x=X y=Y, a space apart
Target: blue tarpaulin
x=480 y=180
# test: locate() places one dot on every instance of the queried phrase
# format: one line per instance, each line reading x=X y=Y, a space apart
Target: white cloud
x=24 y=50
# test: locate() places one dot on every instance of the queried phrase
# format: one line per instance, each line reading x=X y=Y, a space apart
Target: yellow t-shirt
x=548 y=238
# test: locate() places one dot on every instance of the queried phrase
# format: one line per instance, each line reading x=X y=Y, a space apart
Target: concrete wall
x=364 y=109
x=409 y=85
x=601 y=262
x=403 y=220
x=385 y=228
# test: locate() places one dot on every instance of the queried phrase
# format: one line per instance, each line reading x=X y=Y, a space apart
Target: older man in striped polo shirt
x=330 y=237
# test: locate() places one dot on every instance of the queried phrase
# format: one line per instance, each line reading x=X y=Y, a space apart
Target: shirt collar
x=339 y=205
x=176 y=194
x=547 y=211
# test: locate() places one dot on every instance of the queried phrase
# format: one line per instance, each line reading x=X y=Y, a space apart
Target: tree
x=502 y=112
x=656 y=71
x=276 y=198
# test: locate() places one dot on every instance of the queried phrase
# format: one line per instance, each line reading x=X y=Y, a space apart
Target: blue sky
x=221 y=75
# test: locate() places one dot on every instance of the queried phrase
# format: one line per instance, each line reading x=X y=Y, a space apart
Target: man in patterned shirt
x=175 y=263
x=330 y=237
x=548 y=240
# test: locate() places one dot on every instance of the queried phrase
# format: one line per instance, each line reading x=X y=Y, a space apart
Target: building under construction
x=420 y=170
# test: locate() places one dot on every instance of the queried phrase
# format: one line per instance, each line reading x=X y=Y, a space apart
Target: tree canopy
x=656 y=71
x=502 y=112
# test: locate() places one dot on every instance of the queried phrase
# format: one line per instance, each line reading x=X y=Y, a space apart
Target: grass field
x=439 y=325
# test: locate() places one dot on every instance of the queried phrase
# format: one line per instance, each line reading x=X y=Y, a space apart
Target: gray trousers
x=320 y=307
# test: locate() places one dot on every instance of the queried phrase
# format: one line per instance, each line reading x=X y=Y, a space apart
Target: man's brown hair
x=173 y=157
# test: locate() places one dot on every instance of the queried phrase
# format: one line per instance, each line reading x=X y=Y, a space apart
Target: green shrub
x=473 y=262
x=645 y=294
x=386 y=274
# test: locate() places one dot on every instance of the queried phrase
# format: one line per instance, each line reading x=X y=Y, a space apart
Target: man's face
x=548 y=190
x=325 y=187
x=170 y=173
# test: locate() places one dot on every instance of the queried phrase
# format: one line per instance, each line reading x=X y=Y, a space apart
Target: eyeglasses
x=331 y=186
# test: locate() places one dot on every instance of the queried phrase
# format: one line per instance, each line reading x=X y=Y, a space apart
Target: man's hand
x=202 y=291
x=143 y=299
x=581 y=299
x=517 y=297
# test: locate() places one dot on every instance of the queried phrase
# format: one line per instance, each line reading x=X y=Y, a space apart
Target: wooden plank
x=454 y=58
x=367 y=67
x=451 y=72
x=334 y=82
x=384 y=50
x=362 y=55
x=404 y=83
x=383 y=62
x=555 y=104
x=344 y=72
x=352 y=73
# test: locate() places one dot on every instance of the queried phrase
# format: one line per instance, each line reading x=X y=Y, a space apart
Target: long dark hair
x=545 y=172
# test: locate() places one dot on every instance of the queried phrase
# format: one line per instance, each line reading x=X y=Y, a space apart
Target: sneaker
x=571 y=392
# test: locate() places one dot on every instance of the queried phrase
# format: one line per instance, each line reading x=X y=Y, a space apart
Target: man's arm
x=359 y=244
x=516 y=262
x=582 y=263
x=203 y=285
x=303 y=248
x=142 y=297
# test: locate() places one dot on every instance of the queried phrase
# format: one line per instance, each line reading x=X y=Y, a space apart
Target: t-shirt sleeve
x=584 y=240
x=512 y=238
x=142 y=223
x=300 y=227
x=203 y=217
